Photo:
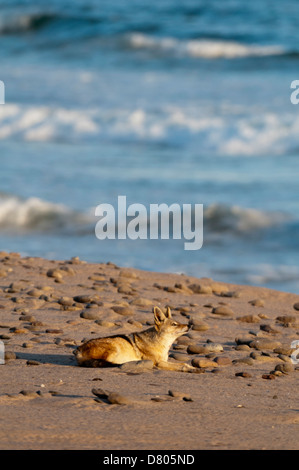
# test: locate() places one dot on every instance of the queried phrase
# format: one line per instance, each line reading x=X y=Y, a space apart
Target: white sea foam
x=41 y=123
x=35 y=214
x=221 y=133
x=221 y=218
x=267 y=273
x=201 y=48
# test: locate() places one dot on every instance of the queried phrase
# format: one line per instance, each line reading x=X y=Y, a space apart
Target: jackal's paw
x=192 y=370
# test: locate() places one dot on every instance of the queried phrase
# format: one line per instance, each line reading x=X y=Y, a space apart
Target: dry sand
x=241 y=401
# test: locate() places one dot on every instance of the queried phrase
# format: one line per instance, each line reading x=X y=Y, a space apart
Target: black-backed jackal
x=151 y=344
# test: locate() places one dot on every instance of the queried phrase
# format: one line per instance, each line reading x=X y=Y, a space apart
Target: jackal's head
x=166 y=325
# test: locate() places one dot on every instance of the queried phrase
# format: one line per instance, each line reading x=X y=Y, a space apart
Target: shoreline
x=246 y=396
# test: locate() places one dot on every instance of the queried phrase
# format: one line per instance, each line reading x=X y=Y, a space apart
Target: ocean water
x=163 y=102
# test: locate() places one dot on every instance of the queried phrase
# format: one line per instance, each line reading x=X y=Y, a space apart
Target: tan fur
x=153 y=343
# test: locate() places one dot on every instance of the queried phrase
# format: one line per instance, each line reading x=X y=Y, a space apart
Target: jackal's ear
x=158 y=315
x=168 y=313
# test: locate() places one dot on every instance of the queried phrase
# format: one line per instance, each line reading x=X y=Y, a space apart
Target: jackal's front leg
x=179 y=367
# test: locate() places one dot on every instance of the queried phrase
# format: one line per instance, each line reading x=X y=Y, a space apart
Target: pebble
x=105 y=323
x=128 y=273
x=141 y=302
x=9 y=356
x=117 y=399
x=125 y=289
x=223 y=361
x=123 y=310
x=205 y=348
x=233 y=294
x=35 y=292
x=244 y=339
x=97 y=277
x=55 y=273
x=219 y=288
x=296 y=306
x=203 y=363
x=27 y=345
x=184 y=340
x=68 y=270
x=223 y=310
x=264 y=343
x=135 y=323
x=244 y=360
x=31 y=362
x=4 y=336
x=269 y=329
x=198 y=325
x=19 y=331
x=91 y=305
x=201 y=289
x=257 y=303
x=284 y=350
x=75 y=260
x=285 y=367
x=277 y=373
x=66 y=301
x=54 y=331
x=242 y=347
x=183 y=287
x=195 y=349
x=261 y=357
x=85 y=299
x=286 y=320
x=34 y=326
x=246 y=375
x=249 y=319
x=29 y=393
x=268 y=376
x=285 y=358
x=15 y=287
x=181 y=357
x=91 y=315
x=29 y=318
x=213 y=347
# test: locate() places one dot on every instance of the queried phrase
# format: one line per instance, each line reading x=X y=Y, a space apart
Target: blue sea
x=163 y=101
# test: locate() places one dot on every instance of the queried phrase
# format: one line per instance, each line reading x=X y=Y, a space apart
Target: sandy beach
x=245 y=395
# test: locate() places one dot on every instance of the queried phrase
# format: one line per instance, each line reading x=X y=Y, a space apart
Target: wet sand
x=245 y=395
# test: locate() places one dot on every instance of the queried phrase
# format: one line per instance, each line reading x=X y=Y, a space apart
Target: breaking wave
x=22 y=22
x=269 y=133
x=223 y=218
x=19 y=21
x=201 y=48
x=37 y=215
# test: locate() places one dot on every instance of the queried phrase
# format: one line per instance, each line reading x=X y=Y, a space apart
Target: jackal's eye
x=174 y=323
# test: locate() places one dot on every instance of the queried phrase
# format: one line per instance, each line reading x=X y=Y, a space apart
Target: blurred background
x=164 y=101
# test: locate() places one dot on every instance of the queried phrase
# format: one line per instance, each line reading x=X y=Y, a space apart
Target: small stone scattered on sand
x=223 y=310
x=203 y=363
